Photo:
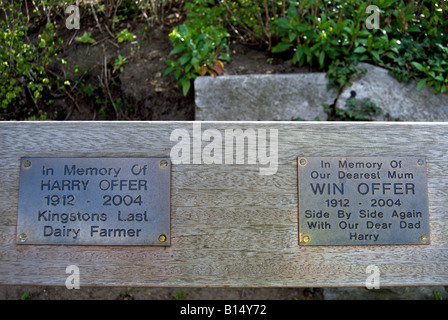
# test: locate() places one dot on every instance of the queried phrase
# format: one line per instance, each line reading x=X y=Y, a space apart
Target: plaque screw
x=26 y=164
x=302 y=162
x=306 y=238
x=424 y=238
x=420 y=162
x=22 y=237
x=163 y=163
x=162 y=238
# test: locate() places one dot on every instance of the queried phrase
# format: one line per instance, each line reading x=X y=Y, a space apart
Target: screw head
x=162 y=238
x=22 y=237
x=420 y=162
x=302 y=162
x=163 y=163
x=424 y=238
x=306 y=238
x=26 y=164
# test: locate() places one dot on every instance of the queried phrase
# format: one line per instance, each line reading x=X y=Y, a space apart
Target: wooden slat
x=230 y=226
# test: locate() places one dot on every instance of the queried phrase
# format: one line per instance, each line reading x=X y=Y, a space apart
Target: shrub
x=23 y=73
x=201 y=43
x=202 y=40
x=411 y=41
x=329 y=36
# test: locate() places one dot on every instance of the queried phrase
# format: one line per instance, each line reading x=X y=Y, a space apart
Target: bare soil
x=140 y=91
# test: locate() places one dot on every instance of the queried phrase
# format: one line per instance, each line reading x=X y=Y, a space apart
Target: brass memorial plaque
x=363 y=201
x=94 y=201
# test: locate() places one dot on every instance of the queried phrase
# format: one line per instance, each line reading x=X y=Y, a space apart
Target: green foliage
x=438 y=296
x=127 y=294
x=425 y=61
x=180 y=295
x=318 y=35
x=251 y=19
x=340 y=72
x=332 y=36
x=152 y=11
x=124 y=36
x=422 y=50
x=119 y=63
x=23 y=73
x=25 y=295
x=200 y=43
x=355 y=111
x=85 y=38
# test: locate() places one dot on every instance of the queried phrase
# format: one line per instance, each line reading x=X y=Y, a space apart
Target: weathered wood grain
x=230 y=226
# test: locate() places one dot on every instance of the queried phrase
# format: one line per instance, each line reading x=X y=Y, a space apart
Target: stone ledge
x=262 y=97
x=398 y=101
x=270 y=97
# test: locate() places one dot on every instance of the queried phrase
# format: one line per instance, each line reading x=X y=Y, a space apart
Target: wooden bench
x=230 y=225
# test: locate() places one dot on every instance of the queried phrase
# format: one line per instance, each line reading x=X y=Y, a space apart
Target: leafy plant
x=25 y=295
x=355 y=110
x=127 y=294
x=119 y=63
x=180 y=295
x=317 y=35
x=217 y=68
x=434 y=75
x=438 y=296
x=251 y=20
x=425 y=61
x=86 y=38
x=124 y=35
x=201 y=49
x=422 y=47
x=332 y=36
x=340 y=72
x=23 y=67
x=200 y=43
